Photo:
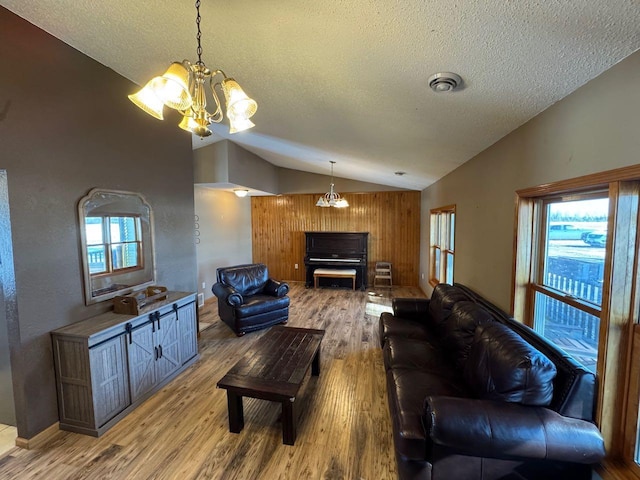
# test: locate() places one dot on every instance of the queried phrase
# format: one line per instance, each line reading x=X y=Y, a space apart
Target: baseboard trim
x=40 y=439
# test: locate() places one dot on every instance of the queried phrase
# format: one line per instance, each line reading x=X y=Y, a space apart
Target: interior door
x=7 y=284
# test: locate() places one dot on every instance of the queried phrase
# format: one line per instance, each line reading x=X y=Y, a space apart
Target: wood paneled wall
x=391 y=218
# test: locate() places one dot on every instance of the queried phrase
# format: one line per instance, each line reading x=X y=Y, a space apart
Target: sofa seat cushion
x=259 y=304
x=399 y=352
x=406 y=391
x=503 y=366
x=391 y=325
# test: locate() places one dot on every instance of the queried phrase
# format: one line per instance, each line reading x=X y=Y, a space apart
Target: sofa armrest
x=410 y=308
x=489 y=428
x=227 y=294
x=276 y=288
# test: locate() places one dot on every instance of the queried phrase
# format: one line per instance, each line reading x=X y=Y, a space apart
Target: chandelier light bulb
x=239 y=125
x=173 y=87
x=239 y=105
x=148 y=101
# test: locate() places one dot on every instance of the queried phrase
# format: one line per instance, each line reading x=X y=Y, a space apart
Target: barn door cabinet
x=107 y=365
x=154 y=352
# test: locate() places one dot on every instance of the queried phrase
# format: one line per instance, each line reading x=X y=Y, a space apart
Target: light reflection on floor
x=375 y=309
x=8 y=436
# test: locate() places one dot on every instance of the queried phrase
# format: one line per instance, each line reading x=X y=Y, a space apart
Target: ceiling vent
x=444 y=82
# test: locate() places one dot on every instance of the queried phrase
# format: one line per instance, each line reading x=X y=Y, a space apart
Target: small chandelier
x=181 y=87
x=331 y=198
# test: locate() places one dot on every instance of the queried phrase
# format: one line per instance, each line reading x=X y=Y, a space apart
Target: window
x=113 y=244
x=567 y=281
x=584 y=294
x=442 y=251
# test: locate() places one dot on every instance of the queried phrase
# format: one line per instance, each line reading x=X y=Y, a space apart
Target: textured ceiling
x=346 y=80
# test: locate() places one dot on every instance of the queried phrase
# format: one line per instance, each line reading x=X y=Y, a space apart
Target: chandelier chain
x=199 y=34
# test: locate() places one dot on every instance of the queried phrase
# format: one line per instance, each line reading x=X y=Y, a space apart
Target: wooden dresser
x=109 y=364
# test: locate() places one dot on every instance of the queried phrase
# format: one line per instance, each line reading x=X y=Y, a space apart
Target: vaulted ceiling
x=347 y=80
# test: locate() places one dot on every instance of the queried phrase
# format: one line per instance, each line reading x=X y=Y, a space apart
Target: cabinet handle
x=129 y=328
x=158 y=318
x=160 y=348
x=155 y=349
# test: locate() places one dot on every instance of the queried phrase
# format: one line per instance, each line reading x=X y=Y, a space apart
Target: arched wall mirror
x=116 y=232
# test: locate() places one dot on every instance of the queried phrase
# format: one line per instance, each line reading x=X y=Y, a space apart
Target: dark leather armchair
x=248 y=299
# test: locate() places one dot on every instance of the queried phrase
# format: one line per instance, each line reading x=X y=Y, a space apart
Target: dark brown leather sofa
x=248 y=299
x=475 y=395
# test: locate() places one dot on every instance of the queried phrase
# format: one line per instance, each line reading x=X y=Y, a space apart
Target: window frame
x=442 y=240
x=537 y=283
x=108 y=244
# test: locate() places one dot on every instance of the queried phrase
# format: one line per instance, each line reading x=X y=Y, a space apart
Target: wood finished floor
x=344 y=428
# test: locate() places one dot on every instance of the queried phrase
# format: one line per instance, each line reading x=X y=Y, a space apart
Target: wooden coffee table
x=273 y=370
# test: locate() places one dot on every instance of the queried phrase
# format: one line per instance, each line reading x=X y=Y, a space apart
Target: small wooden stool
x=334 y=273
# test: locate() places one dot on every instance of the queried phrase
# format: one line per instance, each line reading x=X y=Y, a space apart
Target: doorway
x=7 y=279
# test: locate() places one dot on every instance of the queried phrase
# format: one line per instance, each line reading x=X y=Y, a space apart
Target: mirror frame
x=99 y=198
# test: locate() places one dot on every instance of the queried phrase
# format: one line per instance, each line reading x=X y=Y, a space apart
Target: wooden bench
x=334 y=273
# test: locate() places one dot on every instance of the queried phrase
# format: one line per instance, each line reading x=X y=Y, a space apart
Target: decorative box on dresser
x=109 y=364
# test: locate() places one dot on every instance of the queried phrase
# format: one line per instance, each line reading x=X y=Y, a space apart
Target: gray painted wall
x=226 y=163
x=596 y=128
x=248 y=169
x=296 y=181
x=211 y=163
x=224 y=222
x=66 y=127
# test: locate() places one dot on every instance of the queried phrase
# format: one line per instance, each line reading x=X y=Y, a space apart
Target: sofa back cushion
x=502 y=366
x=574 y=387
x=246 y=279
x=459 y=328
x=443 y=298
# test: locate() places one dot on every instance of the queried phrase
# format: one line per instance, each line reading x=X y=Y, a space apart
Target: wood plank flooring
x=344 y=428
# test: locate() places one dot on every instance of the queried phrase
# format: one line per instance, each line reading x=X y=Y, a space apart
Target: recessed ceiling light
x=444 y=82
